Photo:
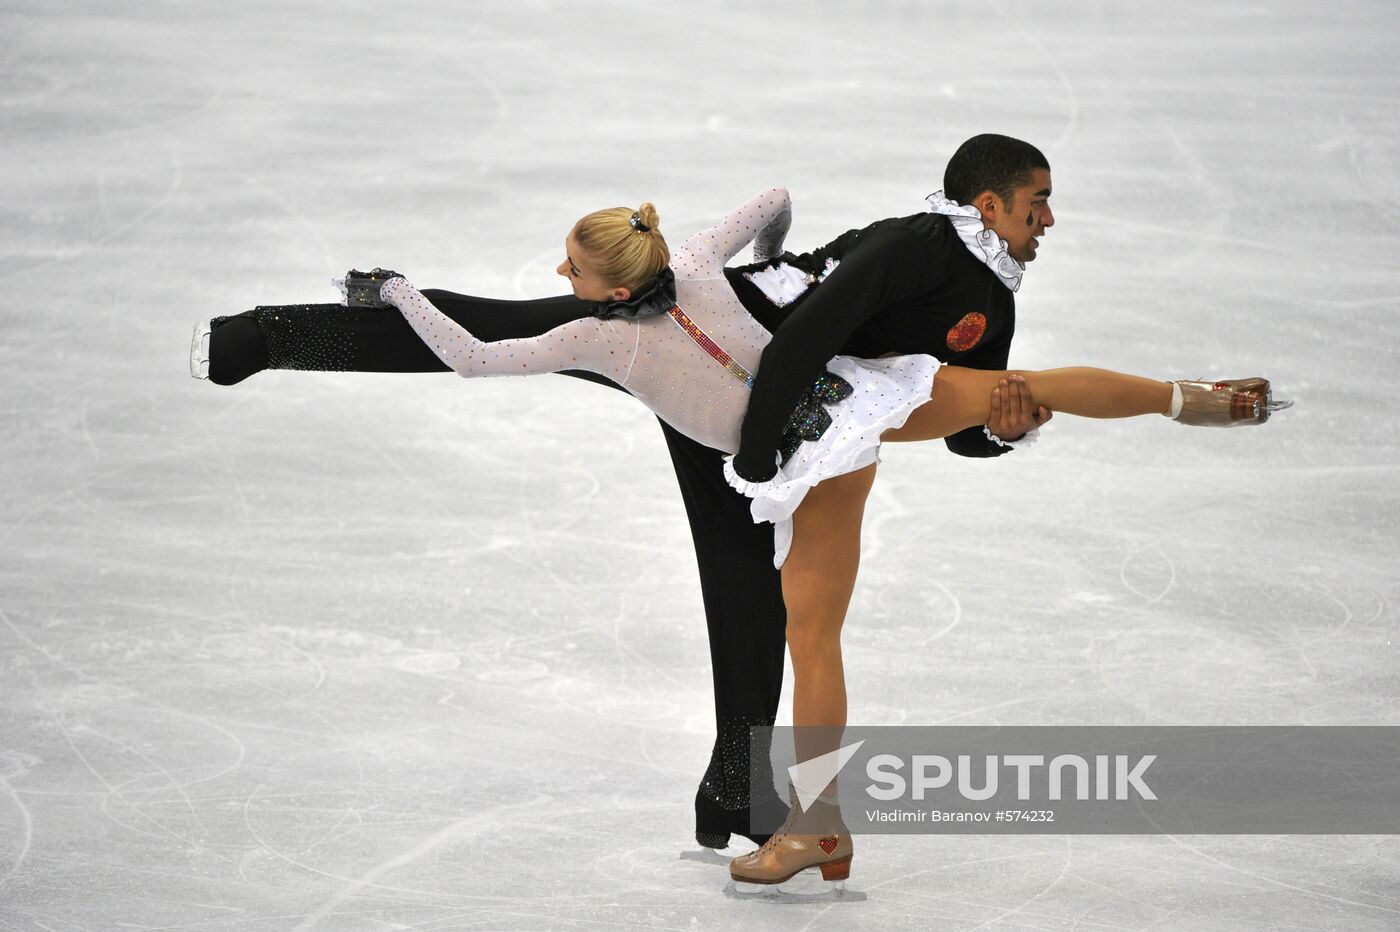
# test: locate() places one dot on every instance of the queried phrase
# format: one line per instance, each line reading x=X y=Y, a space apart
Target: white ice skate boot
x=1228 y=403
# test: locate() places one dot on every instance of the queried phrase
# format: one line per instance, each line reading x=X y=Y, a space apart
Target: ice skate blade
x=807 y=884
x=721 y=856
x=199 y=350
x=1268 y=406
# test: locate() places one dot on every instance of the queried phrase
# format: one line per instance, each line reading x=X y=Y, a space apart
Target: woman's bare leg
x=818 y=579
x=962 y=398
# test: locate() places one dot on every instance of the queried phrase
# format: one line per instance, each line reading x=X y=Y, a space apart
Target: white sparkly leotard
x=653 y=358
x=664 y=368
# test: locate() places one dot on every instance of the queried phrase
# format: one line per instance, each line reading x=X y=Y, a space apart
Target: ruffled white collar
x=983 y=243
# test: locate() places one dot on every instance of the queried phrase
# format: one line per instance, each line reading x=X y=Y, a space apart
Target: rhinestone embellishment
x=964 y=335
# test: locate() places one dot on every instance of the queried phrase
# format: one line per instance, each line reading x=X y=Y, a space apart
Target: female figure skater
x=673 y=333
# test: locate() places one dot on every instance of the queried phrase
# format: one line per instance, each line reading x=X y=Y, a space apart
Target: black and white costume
x=922 y=296
x=936 y=283
x=660 y=360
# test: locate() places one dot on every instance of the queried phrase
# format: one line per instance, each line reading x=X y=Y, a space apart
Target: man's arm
x=888 y=265
x=1014 y=415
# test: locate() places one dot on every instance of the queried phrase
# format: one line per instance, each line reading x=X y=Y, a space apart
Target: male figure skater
x=939 y=282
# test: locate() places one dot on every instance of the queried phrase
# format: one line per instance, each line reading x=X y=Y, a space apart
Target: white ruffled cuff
x=1027 y=440
x=752 y=489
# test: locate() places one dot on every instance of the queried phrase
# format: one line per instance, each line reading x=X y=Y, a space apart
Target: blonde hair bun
x=624 y=255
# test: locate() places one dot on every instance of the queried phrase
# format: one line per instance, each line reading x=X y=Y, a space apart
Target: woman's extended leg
x=962 y=398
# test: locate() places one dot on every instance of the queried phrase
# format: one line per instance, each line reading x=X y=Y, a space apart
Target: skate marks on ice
x=21 y=838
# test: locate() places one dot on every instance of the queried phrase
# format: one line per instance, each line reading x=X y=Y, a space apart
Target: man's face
x=1024 y=220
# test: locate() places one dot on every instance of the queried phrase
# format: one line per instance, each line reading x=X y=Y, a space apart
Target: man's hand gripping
x=1014 y=411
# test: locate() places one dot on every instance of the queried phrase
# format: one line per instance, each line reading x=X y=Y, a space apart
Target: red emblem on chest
x=964 y=335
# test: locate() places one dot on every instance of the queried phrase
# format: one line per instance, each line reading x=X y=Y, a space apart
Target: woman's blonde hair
x=626 y=246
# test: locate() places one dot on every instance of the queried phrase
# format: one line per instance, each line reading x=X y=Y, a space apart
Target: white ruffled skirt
x=886 y=392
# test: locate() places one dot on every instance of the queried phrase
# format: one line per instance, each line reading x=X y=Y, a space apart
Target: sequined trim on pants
x=730 y=774
x=317 y=337
x=810 y=418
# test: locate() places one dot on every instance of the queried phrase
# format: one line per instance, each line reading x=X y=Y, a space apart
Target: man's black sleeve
x=886 y=266
x=993 y=355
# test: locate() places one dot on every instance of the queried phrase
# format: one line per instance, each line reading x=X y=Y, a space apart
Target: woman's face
x=578 y=268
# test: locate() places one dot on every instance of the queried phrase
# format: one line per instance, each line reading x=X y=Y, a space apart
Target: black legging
x=741 y=589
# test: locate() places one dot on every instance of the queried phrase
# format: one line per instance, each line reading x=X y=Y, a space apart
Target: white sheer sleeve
x=605 y=347
x=765 y=218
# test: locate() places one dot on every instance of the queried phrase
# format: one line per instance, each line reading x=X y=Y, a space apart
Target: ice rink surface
x=378 y=652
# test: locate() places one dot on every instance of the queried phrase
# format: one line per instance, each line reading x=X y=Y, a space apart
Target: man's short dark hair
x=993 y=163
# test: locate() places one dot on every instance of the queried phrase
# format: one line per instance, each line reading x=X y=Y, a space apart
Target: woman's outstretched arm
x=963 y=398
x=594 y=345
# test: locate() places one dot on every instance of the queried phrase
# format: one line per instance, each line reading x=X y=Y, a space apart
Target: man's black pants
x=741 y=589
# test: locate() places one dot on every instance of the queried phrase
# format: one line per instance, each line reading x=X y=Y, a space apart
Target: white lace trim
x=1027 y=440
x=755 y=489
x=983 y=243
x=885 y=392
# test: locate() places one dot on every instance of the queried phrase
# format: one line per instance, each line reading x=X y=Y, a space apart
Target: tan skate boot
x=1228 y=403
x=815 y=838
